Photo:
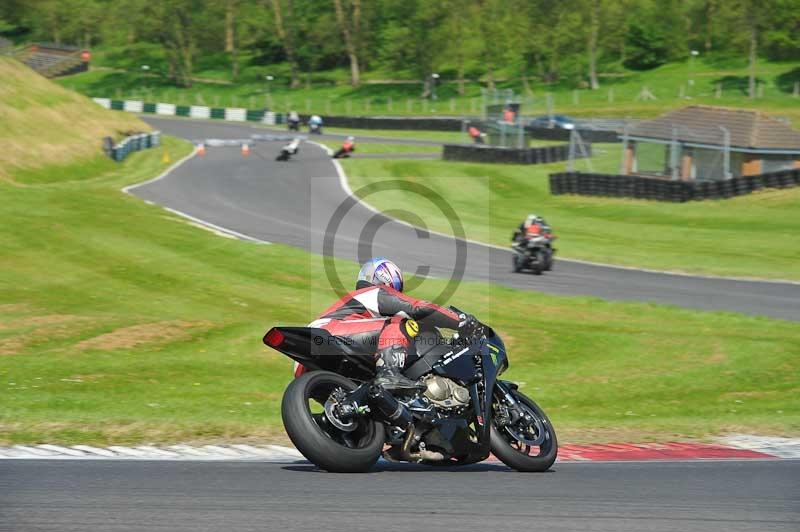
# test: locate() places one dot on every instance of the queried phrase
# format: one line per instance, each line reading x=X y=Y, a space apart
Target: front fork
x=511 y=405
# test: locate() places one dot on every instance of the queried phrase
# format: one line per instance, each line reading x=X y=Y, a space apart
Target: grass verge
x=121 y=323
x=376 y=147
x=456 y=137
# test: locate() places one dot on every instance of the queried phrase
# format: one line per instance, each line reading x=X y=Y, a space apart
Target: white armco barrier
x=235 y=114
x=269 y=118
x=134 y=106
x=103 y=102
x=165 y=109
x=199 y=111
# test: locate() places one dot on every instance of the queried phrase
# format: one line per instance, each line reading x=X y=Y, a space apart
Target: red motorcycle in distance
x=348 y=147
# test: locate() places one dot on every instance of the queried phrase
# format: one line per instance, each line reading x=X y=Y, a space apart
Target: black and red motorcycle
x=459 y=413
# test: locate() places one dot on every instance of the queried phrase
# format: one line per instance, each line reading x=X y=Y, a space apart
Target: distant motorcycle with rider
x=532 y=246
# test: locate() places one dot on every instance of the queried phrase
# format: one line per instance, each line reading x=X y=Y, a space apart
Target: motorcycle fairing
x=461 y=366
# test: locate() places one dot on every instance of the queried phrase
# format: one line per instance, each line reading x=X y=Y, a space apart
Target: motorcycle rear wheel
x=517 y=454
x=316 y=437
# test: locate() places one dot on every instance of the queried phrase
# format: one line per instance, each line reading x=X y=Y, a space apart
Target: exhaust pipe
x=398 y=414
x=392 y=409
x=422 y=454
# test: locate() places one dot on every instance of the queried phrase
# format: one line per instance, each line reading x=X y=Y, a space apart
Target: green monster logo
x=495 y=352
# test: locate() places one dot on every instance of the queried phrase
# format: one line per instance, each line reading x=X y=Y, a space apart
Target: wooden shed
x=710 y=143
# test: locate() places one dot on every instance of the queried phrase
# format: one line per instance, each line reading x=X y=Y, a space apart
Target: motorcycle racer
x=378 y=308
x=348 y=147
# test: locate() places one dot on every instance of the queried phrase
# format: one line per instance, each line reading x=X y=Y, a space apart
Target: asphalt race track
x=115 y=496
x=293 y=203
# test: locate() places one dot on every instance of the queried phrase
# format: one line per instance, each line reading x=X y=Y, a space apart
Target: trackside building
x=703 y=143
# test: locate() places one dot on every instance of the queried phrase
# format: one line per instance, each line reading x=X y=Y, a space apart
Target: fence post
x=622 y=165
x=610 y=95
x=575 y=97
x=571 y=154
x=584 y=152
x=796 y=92
x=726 y=154
x=673 y=154
x=389 y=104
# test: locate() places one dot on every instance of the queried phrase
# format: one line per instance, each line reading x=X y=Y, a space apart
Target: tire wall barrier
x=130 y=144
x=231 y=114
x=385 y=122
x=626 y=186
x=588 y=135
x=236 y=114
x=354 y=122
x=492 y=154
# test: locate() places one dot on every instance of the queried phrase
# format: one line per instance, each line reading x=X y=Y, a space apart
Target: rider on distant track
x=533 y=225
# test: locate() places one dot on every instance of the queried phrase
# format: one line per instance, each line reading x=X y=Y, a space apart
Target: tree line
x=531 y=40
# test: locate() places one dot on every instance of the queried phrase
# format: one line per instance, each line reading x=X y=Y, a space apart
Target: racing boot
x=388 y=370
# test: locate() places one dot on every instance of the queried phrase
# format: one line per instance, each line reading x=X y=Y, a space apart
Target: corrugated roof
x=700 y=124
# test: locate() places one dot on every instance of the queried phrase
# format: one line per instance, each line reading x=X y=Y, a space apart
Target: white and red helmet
x=382 y=272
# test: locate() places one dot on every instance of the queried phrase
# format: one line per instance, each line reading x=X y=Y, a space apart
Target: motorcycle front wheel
x=337 y=446
x=517 y=263
x=528 y=445
x=539 y=263
x=549 y=266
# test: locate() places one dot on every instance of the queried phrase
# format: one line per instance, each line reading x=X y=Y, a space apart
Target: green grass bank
x=121 y=323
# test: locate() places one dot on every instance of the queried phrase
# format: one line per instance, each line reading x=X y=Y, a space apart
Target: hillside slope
x=43 y=124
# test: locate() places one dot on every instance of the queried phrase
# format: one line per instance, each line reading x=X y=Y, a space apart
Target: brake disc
x=330 y=413
x=521 y=437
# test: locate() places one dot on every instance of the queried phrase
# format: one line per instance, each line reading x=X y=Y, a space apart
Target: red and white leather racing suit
x=373 y=311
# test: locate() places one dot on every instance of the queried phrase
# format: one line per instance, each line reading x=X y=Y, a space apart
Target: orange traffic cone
x=201 y=149
x=245 y=150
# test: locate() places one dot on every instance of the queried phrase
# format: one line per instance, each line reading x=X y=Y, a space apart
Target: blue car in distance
x=554 y=122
